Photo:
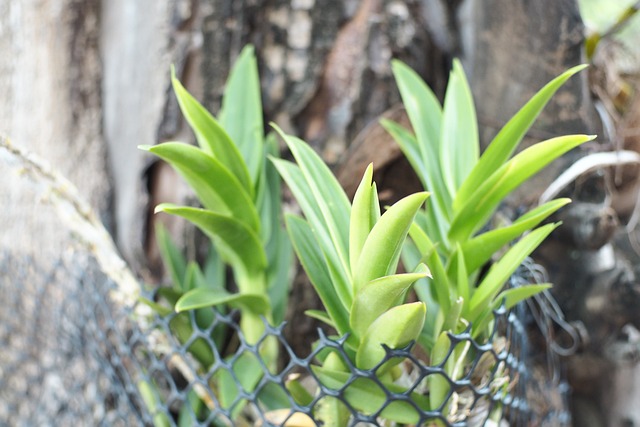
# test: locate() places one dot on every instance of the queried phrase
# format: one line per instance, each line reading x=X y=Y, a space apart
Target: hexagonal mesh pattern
x=71 y=356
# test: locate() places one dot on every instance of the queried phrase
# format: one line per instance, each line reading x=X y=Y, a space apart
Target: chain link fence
x=77 y=347
x=73 y=356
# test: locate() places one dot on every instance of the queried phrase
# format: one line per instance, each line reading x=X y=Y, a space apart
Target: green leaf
x=409 y=146
x=476 y=211
x=425 y=114
x=381 y=251
x=298 y=392
x=171 y=256
x=279 y=273
x=322 y=316
x=463 y=285
x=364 y=395
x=211 y=136
x=314 y=265
x=395 y=328
x=439 y=387
x=327 y=194
x=379 y=295
x=480 y=249
x=513 y=296
x=440 y=286
x=365 y=212
x=151 y=398
x=460 y=148
x=508 y=139
x=241 y=112
x=190 y=410
x=503 y=269
x=438 y=223
x=216 y=187
x=338 y=271
x=240 y=242
x=203 y=297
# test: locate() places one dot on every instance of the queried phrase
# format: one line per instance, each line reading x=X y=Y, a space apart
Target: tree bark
x=50 y=76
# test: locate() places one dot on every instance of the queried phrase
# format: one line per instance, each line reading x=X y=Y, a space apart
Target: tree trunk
x=50 y=75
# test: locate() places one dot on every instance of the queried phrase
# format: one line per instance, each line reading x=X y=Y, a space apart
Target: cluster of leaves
x=240 y=192
x=351 y=254
x=450 y=235
x=351 y=251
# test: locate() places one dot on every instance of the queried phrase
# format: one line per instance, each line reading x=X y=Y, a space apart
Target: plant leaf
x=363 y=216
x=440 y=286
x=460 y=149
x=314 y=265
x=379 y=295
x=322 y=316
x=503 y=269
x=513 y=296
x=425 y=114
x=395 y=328
x=368 y=398
x=439 y=386
x=338 y=271
x=171 y=256
x=327 y=194
x=476 y=211
x=212 y=138
x=479 y=250
x=216 y=187
x=241 y=112
x=509 y=137
x=203 y=297
x=381 y=251
x=240 y=242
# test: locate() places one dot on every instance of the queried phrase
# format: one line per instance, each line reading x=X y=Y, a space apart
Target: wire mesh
x=72 y=356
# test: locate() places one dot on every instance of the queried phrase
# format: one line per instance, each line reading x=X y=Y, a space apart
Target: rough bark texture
x=50 y=75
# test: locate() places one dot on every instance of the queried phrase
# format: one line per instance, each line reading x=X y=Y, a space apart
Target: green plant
x=241 y=214
x=449 y=234
x=351 y=253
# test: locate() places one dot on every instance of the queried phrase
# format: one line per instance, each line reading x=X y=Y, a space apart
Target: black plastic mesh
x=71 y=356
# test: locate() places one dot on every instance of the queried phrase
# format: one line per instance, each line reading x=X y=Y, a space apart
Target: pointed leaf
x=503 y=269
x=239 y=242
x=322 y=316
x=327 y=194
x=508 y=139
x=338 y=271
x=215 y=185
x=476 y=211
x=379 y=295
x=395 y=328
x=480 y=249
x=203 y=297
x=425 y=114
x=212 y=138
x=241 y=112
x=511 y=297
x=381 y=251
x=363 y=218
x=440 y=286
x=313 y=263
x=460 y=148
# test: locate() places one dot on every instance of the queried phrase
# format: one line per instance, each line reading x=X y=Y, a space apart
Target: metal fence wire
x=71 y=355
